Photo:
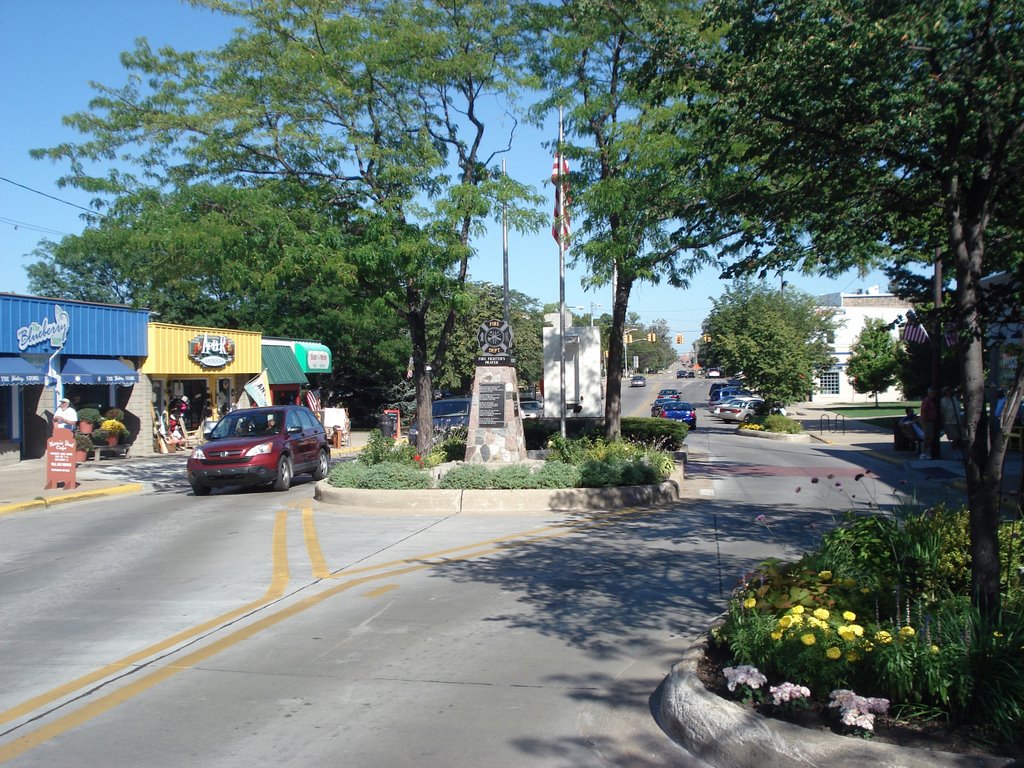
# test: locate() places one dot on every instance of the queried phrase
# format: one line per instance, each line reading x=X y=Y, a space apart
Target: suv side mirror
x=293 y=430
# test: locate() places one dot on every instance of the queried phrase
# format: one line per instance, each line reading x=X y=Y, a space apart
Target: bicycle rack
x=835 y=423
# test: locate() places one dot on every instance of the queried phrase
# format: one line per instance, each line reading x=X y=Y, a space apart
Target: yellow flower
x=907 y=631
x=857 y=630
x=852 y=656
x=808 y=639
x=798 y=620
x=796 y=610
x=750 y=602
x=833 y=653
x=849 y=615
x=849 y=583
x=825 y=575
x=846 y=632
x=786 y=622
x=883 y=637
x=864 y=590
x=997 y=634
x=776 y=635
x=820 y=613
x=935 y=649
x=818 y=624
x=868 y=646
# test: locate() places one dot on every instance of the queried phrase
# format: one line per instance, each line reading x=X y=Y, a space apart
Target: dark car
x=673 y=393
x=684 y=374
x=260 y=446
x=638 y=381
x=448 y=414
x=680 y=412
x=660 y=403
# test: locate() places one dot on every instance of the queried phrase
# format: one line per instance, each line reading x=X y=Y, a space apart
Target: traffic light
x=652 y=337
x=707 y=338
x=629 y=338
x=679 y=338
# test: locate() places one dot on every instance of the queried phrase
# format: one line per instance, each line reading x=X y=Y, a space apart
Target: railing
x=836 y=423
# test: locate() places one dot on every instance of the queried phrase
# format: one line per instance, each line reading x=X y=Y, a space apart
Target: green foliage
x=665 y=434
x=884 y=608
x=776 y=422
x=780 y=342
x=873 y=365
x=551 y=474
x=91 y=415
x=380 y=450
x=99 y=436
x=383 y=476
x=83 y=442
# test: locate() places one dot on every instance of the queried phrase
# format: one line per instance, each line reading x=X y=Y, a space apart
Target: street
x=255 y=628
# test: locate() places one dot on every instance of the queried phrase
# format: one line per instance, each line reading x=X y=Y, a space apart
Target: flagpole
x=561 y=282
x=504 y=251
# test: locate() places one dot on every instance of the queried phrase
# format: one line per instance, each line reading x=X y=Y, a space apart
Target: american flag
x=914 y=331
x=313 y=400
x=560 y=178
x=951 y=335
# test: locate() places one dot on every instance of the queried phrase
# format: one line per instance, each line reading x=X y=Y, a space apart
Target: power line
x=44 y=194
x=31 y=227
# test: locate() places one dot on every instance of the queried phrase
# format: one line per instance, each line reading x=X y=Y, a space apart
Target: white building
x=584 y=395
x=852 y=311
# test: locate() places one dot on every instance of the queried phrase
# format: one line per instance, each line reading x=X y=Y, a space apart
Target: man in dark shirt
x=930 y=423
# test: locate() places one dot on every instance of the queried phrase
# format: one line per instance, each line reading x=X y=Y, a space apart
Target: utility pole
x=937 y=340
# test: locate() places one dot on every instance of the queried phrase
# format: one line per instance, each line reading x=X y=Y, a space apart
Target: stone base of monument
x=495 y=423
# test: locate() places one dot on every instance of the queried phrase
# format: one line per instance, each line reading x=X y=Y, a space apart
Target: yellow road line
x=316 y=556
x=381 y=590
x=279 y=581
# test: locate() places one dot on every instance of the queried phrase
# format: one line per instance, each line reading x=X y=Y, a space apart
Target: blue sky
x=51 y=49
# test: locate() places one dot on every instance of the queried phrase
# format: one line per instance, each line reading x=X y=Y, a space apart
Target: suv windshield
x=245 y=423
x=450 y=407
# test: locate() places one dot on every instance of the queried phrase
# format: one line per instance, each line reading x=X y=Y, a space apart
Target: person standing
x=952 y=420
x=65 y=417
x=930 y=422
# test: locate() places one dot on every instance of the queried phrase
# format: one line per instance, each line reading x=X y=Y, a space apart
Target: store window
x=6 y=413
x=829 y=383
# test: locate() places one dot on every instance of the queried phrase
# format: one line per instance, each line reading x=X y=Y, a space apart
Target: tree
x=874 y=363
x=847 y=134
x=626 y=167
x=779 y=341
x=374 y=107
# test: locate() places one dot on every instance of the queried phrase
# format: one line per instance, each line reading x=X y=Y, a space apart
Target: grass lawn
x=885 y=415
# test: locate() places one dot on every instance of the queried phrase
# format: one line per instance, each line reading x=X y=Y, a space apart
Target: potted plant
x=100 y=437
x=83 y=444
x=114 y=429
x=114 y=413
x=88 y=418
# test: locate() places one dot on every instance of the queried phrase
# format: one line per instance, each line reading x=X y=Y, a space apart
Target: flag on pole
x=313 y=400
x=560 y=178
x=258 y=389
x=951 y=335
x=914 y=331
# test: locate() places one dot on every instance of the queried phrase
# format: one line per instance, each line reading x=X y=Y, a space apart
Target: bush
x=83 y=442
x=551 y=474
x=91 y=415
x=382 y=476
x=99 y=436
x=666 y=434
x=883 y=608
x=386 y=450
x=113 y=427
x=776 y=422
x=114 y=413
x=662 y=433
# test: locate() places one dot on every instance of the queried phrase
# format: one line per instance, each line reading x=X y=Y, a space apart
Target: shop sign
x=318 y=360
x=55 y=332
x=60 y=460
x=211 y=351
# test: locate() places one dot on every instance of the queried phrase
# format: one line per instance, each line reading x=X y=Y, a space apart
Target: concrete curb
x=785 y=437
x=51 y=501
x=452 y=502
x=726 y=735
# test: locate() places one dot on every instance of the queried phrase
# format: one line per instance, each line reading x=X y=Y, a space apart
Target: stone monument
x=495 y=421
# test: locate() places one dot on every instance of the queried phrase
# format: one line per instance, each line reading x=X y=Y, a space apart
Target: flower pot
x=85 y=427
x=112 y=439
x=80 y=456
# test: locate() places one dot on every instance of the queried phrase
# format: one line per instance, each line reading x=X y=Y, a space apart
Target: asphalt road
x=258 y=629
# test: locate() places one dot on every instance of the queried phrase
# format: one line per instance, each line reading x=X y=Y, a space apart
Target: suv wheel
x=284 y=474
x=201 y=490
x=323 y=465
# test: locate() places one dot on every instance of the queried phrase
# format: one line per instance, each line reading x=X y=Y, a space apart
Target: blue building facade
x=51 y=348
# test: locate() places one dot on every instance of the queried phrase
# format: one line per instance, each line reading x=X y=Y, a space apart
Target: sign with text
x=60 y=460
x=492 y=405
x=211 y=350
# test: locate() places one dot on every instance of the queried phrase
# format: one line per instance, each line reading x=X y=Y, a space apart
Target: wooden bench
x=117 y=450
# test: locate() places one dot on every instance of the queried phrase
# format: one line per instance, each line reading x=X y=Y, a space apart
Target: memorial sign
x=495 y=340
x=492 y=405
x=60 y=460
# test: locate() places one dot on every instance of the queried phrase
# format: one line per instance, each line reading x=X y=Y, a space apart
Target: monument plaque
x=492 y=405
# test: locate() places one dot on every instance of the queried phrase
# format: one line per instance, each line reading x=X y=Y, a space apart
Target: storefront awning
x=16 y=371
x=313 y=357
x=97 y=370
x=281 y=366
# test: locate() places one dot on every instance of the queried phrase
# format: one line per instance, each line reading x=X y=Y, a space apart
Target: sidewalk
x=22 y=484
x=834 y=429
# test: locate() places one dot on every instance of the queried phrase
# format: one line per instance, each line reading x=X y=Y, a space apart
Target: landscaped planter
x=785 y=437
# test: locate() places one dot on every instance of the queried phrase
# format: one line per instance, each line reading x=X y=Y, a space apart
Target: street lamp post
x=592 y=306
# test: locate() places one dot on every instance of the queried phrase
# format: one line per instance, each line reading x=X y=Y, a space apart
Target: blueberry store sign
x=55 y=332
x=211 y=351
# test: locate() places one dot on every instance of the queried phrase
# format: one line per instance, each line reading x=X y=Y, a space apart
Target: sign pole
x=561 y=283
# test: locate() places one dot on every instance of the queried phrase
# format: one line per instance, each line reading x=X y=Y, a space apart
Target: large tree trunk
x=422 y=375
x=613 y=388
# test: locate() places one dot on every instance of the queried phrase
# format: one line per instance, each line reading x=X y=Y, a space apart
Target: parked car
x=531 y=409
x=448 y=414
x=660 y=403
x=725 y=393
x=684 y=373
x=680 y=411
x=638 y=381
x=260 y=446
x=739 y=409
x=713 y=373
x=673 y=393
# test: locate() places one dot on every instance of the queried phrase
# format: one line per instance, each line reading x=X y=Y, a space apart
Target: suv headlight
x=197 y=453
x=262 y=448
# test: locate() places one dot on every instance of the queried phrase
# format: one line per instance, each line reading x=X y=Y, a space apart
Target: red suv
x=260 y=446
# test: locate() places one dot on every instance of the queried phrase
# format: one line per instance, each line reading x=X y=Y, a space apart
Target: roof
x=281 y=366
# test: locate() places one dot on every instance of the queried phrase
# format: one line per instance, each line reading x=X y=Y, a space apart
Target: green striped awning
x=281 y=365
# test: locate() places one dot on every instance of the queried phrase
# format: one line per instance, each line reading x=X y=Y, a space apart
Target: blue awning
x=16 y=371
x=97 y=370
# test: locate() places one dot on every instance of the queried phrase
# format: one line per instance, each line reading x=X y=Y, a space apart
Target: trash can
x=900 y=440
x=388 y=423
